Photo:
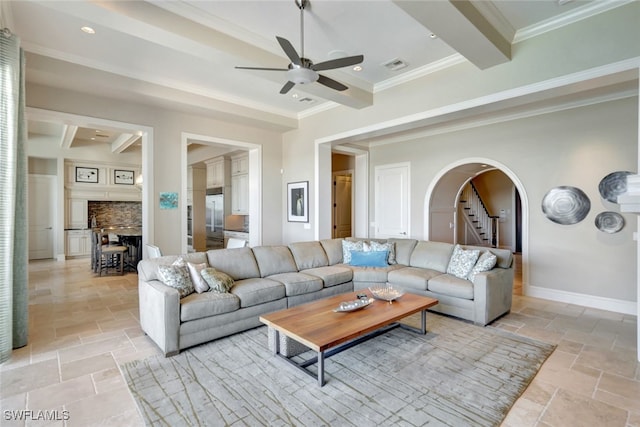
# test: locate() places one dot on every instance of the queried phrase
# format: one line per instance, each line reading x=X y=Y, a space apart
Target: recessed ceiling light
x=433 y=36
x=295 y=95
x=88 y=30
x=357 y=68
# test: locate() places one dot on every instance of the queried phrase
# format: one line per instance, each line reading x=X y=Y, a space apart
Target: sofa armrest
x=160 y=314
x=492 y=294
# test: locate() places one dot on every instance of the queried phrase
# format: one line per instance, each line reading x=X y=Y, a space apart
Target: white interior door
x=42 y=199
x=392 y=200
x=342 y=206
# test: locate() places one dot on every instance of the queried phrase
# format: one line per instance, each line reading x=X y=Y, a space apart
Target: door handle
x=49 y=228
x=404 y=233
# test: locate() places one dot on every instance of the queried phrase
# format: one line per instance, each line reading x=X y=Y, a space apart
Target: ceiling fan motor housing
x=302 y=75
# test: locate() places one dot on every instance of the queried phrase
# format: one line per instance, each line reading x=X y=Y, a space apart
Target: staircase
x=481 y=228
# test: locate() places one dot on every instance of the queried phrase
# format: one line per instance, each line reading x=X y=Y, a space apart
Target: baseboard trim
x=592 y=301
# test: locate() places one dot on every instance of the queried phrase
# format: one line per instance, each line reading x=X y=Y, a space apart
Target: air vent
x=395 y=64
x=306 y=99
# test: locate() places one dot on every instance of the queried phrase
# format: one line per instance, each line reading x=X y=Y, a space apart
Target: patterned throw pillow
x=485 y=263
x=389 y=246
x=462 y=261
x=217 y=280
x=198 y=281
x=176 y=277
x=348 y=246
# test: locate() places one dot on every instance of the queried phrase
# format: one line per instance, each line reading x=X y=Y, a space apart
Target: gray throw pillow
x=485 y=263
x=217 y=280
x=177 y=277
x=462 y=261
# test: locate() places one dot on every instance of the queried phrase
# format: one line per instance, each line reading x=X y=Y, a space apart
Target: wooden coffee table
x=326 y=332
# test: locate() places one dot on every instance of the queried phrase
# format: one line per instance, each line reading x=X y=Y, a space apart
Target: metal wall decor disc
x=609 y=222
x=566 y=205
x=614 y=184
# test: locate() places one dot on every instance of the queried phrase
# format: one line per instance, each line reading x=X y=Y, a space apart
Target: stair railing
x=484 y=224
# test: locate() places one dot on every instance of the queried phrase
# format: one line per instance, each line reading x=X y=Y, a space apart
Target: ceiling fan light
x=302 y=75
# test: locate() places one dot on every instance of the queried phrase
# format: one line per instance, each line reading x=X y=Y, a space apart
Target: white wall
x=168 y=127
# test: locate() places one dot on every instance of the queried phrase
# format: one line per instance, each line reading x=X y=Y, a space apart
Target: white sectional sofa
x=271 y=278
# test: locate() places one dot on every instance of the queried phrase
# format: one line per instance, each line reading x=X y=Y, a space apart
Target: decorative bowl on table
x=354 y=305
x=386 y=293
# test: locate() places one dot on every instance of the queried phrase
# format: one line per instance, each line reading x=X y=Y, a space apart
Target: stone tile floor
x=82 y=327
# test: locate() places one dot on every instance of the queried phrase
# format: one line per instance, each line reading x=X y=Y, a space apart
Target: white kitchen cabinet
x=216 y=172
x=239 y=165
x=78 y=243
x=77 y=216
x=240 y=194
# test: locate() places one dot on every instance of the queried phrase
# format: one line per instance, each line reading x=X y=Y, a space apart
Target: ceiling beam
x=463 y=27
x=157 y=25
x=68 y=135
x=122 y=142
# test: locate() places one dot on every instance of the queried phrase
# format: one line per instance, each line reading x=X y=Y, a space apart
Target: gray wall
x=575 y=147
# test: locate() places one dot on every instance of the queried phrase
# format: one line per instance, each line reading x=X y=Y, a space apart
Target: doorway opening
x=506 y=198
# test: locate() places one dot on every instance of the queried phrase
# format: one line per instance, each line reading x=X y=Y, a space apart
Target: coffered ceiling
x=182 y=53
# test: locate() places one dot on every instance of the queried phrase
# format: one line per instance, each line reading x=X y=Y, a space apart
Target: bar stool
x=110 y=256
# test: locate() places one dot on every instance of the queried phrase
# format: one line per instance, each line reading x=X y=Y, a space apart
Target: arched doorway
x=440 y=206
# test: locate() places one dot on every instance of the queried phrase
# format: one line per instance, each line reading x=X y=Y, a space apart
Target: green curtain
x=13 y=198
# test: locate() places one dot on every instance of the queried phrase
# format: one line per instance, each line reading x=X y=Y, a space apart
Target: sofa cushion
x=308 y=255
x=177 y=277
x=239 y=263
x=404 y=249
x=412 y=277
x=298 y=283
x=256 y=291
x=217 y=281
x=274 y=260
x=462 y=261
x=197 y=306
x=369 y=259
x=452 y=286
x=349 y=246
x=433 y=255
x=194 y=257
x=485 y=262
x=333 y=249
x=331 y=275
x=373 y=274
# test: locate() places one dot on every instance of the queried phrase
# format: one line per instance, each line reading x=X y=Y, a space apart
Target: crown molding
x=570 y=17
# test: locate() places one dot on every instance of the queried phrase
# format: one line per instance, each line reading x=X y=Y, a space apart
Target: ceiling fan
x=302 y=70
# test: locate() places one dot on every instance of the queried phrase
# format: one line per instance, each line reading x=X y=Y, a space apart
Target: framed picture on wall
x=86 y=174
x=298 y=201
x=123 y=177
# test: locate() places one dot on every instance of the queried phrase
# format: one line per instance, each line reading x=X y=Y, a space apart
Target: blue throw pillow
x=369 y=259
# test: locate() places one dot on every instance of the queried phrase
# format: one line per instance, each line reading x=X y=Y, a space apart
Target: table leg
x=321 y=368
x=423 y=323
x=276 y=345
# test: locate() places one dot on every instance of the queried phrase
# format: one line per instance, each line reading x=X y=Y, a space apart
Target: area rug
x=456 y=375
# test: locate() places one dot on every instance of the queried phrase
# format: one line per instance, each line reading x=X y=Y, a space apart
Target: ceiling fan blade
x=289 y=50
x=331 y=83
x=338 y=63
x=287 y=87
x=261 y=68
